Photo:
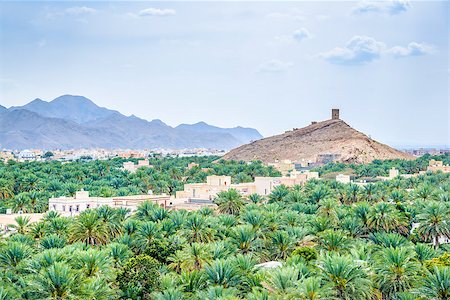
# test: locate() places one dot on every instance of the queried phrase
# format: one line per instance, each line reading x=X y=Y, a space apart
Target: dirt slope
x=327 y=137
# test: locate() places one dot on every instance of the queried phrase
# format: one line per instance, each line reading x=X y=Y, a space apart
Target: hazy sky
x=268 y=65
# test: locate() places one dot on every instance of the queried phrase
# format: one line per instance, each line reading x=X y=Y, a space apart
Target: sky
x=272 y=66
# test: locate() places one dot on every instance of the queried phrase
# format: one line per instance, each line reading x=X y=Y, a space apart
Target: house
x=438 y=165
x=132 y=167
x=82 y=201
x=261 y=186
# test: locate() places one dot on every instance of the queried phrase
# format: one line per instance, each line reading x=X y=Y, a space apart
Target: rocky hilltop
x=331 y=138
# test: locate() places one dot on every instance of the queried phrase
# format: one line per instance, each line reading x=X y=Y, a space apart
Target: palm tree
x=193 y=281
x=278 y=194
x=229 y=202
x=384 y=217
x=93 y=263
x=89 y=228
x=146 y=235
x=177 y=261
x=255 y=198
x=196 y=256
x=53 y=241
x=396 y=271
x=282 y=245
x=221 y=272
x=282 y=280
x=6 y=190
x=436 y=284
x=346 y=279
x=244 y=236
x=13 y=253
x=434 y=223
x=58 y=281
x=312 y=289
x=22 y=224
x=197 y=229
x=331 y=240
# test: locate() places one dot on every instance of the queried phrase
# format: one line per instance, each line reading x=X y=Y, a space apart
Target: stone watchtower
x=335 y=114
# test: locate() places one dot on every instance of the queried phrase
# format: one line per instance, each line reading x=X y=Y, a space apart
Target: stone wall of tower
x=335 y=114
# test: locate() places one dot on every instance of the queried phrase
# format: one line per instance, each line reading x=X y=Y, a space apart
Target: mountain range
x=69 y=122
x=319 y=141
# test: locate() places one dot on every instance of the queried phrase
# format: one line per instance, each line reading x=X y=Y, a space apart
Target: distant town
x=100 y=154
x=104 y=154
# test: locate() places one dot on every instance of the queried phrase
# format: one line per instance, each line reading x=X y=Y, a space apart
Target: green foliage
x=328 y=240
x=307 y=253
x=139 y=277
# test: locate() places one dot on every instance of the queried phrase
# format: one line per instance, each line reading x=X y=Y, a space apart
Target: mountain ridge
x=79 y=119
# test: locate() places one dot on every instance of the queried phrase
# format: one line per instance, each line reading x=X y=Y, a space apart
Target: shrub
x=306 y=252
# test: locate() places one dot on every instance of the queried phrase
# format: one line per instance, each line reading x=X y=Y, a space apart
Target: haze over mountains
x=76 y=122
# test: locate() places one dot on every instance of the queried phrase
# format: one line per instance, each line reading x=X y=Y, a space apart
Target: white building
x=82 y=201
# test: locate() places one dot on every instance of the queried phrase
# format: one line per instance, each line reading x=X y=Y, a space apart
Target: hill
x=314 y=142
x=77 y=122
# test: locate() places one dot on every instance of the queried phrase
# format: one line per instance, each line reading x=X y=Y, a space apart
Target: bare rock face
x=331 y=137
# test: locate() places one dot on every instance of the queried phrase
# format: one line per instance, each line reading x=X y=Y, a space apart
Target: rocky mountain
x=77 y=122
x=244 y=135
x=68 y=107
x=312 y=143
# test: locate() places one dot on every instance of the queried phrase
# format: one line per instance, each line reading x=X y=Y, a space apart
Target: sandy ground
x=9 y=219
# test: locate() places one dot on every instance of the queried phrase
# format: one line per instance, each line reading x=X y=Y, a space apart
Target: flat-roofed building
x=82 y=201
x=343 y=178
x=284 y=166
x=438 y=165
x=262 y=185
x=132 y=167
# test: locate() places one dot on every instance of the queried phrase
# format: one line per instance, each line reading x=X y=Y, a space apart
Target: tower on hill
x=335 y=114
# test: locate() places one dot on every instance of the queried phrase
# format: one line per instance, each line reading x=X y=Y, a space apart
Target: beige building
x=132 y=167
x=438 y=165
x=284 y=166
x=343 y=178
x=82 y=201
x=261 y=186
x=131 y=154
x=192 y=165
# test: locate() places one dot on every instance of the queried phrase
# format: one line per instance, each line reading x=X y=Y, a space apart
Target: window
x=64 y=208
x=70 y=208
x=54 y=206
x=77 y=208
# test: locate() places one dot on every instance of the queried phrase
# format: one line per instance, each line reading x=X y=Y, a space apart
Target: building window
x=77 y=208
x=64 y=208
x=54 y=206
x=70 y=208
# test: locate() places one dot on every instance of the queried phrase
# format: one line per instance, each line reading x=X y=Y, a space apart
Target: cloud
x=301 y=34
x=358 y=50
x=391 y=7
x=293 y=14
x=156 y=12
x=80 y=10
x=412 y=49
x=296 y=36
x=363 y=49
x=275 y=66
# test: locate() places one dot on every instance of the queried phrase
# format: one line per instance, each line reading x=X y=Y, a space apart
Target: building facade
x=82 y=201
